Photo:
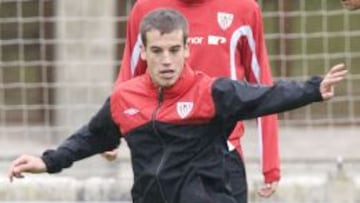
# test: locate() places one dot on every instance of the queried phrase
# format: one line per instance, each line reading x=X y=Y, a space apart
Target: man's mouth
x=167 y=73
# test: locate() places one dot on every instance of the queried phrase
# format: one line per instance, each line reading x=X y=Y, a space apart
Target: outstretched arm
x=239 y=100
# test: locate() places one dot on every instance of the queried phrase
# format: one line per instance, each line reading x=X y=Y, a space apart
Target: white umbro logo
x=131 y=111
x=184 y=108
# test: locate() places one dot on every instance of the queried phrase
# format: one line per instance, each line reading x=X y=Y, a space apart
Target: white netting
x=308 y=37
x=58 y=62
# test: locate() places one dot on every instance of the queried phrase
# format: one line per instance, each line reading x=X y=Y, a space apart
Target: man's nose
x=166 y=57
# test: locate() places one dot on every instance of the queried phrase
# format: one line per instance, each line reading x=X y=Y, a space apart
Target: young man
x=351 y=4
x=226 y=40
x=176 y=121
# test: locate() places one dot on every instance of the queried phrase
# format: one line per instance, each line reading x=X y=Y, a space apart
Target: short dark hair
x=165 y=21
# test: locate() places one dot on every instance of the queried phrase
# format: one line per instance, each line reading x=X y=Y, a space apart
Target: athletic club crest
x=224 y=19
x=184 y=108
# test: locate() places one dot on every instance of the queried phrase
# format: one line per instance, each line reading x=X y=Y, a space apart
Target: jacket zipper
x=153 y=117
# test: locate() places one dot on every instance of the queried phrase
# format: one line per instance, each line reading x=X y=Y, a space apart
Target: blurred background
x=59 y=60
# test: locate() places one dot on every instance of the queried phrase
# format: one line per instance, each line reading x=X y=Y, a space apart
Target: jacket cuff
x=272 y=176
x=52 y=165
x=316 y=81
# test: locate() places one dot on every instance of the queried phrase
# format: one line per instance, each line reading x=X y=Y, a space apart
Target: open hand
x=336 y=74
x=26 y=163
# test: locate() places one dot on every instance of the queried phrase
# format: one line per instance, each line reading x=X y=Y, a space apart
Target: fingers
x=330 y=81
x=338 y=71
x=14 y=170
x=25 y=163
x=338 y=67
x=335 y=75
x=15 y=175
x=268 y=189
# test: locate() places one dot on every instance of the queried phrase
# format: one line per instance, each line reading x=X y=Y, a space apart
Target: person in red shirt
x=225 y=39
x=351 y=4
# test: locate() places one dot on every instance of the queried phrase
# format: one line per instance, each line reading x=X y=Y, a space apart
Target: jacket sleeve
x=99 y=135
x=236 y=100
x=131 y=64
x=267 y=125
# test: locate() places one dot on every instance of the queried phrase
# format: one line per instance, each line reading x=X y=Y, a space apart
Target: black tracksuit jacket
x=177 y=136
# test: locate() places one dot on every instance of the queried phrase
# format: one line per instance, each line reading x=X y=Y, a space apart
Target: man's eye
x=174 y=50
x=156 y=51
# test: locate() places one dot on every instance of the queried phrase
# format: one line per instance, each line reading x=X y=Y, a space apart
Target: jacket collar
x=185 y=81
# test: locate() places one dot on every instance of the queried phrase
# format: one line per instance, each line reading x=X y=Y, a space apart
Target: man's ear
x=187 y=50
x=142 y=52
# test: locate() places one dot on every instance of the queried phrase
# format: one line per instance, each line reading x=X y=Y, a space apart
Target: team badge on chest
x=225 y=20
x=184 y=108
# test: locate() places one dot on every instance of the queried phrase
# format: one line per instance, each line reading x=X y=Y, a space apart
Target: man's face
x=165 y=56
x=351 y=4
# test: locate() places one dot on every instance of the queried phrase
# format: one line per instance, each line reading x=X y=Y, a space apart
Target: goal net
x=59 y=60
x=306 y=38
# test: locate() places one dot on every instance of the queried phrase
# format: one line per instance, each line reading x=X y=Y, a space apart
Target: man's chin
x=166 y=84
